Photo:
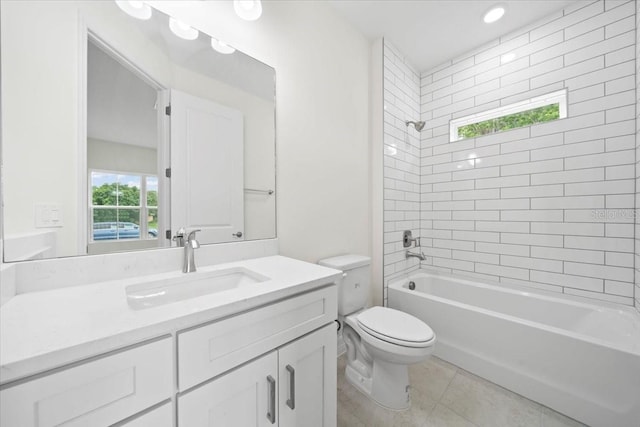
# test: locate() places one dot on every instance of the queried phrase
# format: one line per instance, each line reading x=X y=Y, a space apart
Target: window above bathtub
x=541 y=109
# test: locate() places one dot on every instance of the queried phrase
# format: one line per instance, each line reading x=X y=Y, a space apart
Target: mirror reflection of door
x=207 y=172
x=122 y=154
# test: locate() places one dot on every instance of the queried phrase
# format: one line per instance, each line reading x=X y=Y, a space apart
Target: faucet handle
x=179 y=237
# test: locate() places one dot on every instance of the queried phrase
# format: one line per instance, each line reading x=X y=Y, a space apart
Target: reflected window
x=123 y=206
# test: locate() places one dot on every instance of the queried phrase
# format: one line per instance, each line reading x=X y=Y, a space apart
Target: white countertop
x=43 y=330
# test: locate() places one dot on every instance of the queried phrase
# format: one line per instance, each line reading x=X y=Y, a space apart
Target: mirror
x=116 y=133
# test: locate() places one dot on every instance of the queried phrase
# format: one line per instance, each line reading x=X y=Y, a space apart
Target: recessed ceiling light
x=137 y=9
x=182 y=30
x=493 y=14
x=221 y=47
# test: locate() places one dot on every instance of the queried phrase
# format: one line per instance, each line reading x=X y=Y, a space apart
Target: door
x=243 y=397
x=307 y=383
x=207 y=168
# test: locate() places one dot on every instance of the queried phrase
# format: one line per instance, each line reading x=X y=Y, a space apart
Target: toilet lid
x=395 y=326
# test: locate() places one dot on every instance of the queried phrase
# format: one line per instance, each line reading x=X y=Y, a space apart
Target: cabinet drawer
x=159 y=417
x=96 y=393
x=215 y=348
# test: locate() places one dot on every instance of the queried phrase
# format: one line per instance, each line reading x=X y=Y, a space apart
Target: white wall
x=401 y=162
x=322 y=110
x=551 y=205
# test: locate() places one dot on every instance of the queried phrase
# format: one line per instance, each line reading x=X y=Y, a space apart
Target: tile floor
x=444 y=395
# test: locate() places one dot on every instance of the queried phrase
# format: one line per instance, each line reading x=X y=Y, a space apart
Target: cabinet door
x=307 y=383
x=245 y=397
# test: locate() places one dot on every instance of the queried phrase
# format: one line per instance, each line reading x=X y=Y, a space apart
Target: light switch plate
x=48 y=215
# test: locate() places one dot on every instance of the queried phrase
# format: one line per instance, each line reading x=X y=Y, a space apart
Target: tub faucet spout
x=421 y=256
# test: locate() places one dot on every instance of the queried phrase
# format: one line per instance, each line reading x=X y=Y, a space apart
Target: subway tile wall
x=401 y=161
x=549 y=206
x=637 y=211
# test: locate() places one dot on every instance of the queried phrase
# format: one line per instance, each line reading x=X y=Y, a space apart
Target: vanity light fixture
x=221 y=47
x=135 y=8
x=249 y=10
x=182 y=30
x=494 y=14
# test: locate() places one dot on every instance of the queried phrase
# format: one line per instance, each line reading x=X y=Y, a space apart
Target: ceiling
x=431 y=32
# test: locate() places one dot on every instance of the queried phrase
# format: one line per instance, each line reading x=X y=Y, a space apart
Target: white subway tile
x=529 y=215
x=601 y=187
x=453 y=206
x=592 y=257
x=614 y=158
x=509 y=204
x=599 y=243
x=430 y=178
x=586 y=93
x=580 y=175
x=454 y=225
x=477 y=215
x=476 y=257
x=454 y=186
x=619 y=56
x=599 y=271
x=620 y=114
x=619 y=259
x=624 y=289
x=454 y=244
x=502 y=271
x=596 y=215
x=620 y=172
x=511 y=181
x=500 y=137
x=619 y=230
x=576 y=202
x=478 y=236
x=451 y=263
x=620 y=85
x=502 y=159
x=532 y=167
x=476 y=153
x=535 y=191
x=533 y=71
x=568 y=228
x=599 y=296
x=617 y=143
x=551 y=140
x=531 y=263
x=502 y=226
x=531 y=239
x=604 y=103
x=476 y=173
x=498 y=248
x=577 y=282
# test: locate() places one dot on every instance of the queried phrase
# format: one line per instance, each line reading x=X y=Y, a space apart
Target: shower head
x=417 y=125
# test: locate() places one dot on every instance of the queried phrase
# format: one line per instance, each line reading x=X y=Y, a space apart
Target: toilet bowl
x=381 y=342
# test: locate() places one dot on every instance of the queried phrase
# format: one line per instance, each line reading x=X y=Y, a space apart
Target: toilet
x=381 y=342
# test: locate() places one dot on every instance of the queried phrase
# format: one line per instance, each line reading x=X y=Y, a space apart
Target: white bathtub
x=578 y=358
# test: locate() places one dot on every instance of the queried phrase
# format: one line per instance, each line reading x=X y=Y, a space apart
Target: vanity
x=251 y=342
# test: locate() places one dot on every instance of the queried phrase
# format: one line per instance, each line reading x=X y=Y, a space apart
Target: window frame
x=558 y=97
x=142 y=207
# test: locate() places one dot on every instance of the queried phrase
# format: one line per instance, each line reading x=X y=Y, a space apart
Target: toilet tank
x=354 y=289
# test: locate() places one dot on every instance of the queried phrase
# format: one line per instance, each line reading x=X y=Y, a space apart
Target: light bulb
x=221 y=47
x=249 y=10
x=182 y=30
x=136 y=9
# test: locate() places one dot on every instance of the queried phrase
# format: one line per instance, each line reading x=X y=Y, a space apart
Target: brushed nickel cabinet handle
x=271 y=415
x=291 y=401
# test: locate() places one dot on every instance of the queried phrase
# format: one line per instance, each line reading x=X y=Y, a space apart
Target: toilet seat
x=395 y=327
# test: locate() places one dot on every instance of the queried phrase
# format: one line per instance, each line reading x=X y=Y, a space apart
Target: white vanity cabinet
x=292 y=386
x=275 y=365
x=100 y=392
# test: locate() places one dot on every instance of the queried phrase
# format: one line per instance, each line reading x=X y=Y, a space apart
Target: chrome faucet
x=189 y=243
x=421 y=256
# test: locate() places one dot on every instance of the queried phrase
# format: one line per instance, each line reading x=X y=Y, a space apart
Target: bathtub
x=578 y=358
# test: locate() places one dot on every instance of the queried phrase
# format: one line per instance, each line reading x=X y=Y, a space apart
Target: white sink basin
x=189 y=285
